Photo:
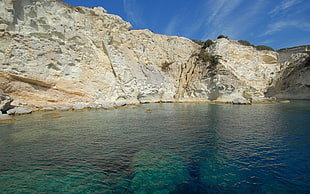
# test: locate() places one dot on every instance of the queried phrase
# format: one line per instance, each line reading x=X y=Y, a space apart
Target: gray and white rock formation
x=5 y=102
x=293 y=82
x=56 y=55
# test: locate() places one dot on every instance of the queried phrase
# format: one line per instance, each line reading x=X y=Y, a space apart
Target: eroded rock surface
x=55 y=55
x=293 y=81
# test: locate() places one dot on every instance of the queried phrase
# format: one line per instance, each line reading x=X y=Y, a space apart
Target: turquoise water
x=159 y=148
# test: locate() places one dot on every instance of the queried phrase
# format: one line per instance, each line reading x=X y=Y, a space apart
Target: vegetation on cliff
x=204 y=57
x=258 y=47
x=222 y=36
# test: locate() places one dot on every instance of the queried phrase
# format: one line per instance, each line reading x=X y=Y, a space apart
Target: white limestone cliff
x=54 y=55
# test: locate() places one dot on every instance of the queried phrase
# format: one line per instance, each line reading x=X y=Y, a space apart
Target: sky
x=275 y=23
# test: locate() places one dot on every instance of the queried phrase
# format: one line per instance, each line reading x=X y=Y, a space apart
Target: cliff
x=55 y=55
x=293 y=82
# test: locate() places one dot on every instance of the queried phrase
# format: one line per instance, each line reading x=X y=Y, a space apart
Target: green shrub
x=222 y=36
x=165 y=66
x=205 y=57
x=245 y=42
x=207 y=43
x=258 y=47
x=263 y=47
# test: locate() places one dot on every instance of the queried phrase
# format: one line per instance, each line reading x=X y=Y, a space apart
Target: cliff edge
x=56 y=55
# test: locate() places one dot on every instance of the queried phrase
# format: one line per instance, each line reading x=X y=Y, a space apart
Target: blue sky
x=276 y=23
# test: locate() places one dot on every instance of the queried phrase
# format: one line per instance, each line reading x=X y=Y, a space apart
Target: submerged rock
x=157 y=171
x=64 y=179
x=219 y=175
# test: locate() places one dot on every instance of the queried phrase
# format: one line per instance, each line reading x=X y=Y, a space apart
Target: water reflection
x=174 y=148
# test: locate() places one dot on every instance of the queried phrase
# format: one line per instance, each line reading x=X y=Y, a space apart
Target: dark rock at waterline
x=5 y=102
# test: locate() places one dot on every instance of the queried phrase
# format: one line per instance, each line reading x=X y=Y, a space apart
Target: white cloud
x=133 y=12
x=214 y=10
x=285 y=5
x=216 y=17
x=220 y=9
x=278 y=26
x=228 y=18
x=172 y=26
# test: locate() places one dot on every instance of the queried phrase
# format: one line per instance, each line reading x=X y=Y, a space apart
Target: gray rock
x=107 y=105
x=79 y=106
x=5 y=102
x=93 y=106
x=64 y=108
x=241 y=101
x=3 y=27
x=48 y=109
x=19 y=111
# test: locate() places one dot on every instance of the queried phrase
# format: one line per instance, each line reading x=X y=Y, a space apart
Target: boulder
x=79 y=106
x=19 y=111
x=242 y=101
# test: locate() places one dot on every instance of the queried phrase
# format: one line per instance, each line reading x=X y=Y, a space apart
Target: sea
x=159 y=148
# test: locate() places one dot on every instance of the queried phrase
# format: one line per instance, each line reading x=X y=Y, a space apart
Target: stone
x=79 y=107
x=47 y=109
x=5 y=102
x=242 y=101
x=3 y=27
x=19 y=111
x=63 y=108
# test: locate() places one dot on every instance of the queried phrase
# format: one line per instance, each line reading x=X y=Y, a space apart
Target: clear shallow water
x=177 y=148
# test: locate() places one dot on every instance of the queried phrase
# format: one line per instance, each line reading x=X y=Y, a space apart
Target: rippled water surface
x=159 y=148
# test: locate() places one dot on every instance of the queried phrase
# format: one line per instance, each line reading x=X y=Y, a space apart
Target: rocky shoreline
x=9 y=111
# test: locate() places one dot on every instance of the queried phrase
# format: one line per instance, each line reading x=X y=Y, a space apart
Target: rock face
x=243 y=71
x=294 y=80
x=55 y=55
